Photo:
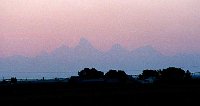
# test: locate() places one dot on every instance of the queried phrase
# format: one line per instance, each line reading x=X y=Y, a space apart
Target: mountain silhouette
x=84 y=55
x=84 y=43
x=118 y=48
x=62 y=50
x=85 y=48
x=146 y=51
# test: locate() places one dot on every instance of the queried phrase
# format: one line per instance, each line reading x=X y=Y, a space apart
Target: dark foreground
x=103 y=94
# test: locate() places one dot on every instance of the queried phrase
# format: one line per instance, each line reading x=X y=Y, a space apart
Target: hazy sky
x=28 y=27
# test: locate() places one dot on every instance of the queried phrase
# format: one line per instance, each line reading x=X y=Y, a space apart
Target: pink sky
x=29 y=27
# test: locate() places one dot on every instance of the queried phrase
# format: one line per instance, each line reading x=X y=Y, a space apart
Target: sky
x=30 y=27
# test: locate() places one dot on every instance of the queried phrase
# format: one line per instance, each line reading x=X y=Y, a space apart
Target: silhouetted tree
x=173 y=73
x=114 y=74
x=111 y=74
x=90 y=74
x=149 y=73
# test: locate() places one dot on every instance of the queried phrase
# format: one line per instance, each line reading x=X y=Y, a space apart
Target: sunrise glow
x=29 y=27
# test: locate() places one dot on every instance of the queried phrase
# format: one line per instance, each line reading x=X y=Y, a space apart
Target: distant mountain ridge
x=85 y=55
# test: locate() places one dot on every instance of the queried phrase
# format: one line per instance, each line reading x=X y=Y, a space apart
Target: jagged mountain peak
x=85 y=48
x=118 y=50
x=84 y=43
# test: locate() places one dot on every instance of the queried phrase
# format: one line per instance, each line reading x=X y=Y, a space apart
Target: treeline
x=93 y=75
x=171 y=74
x=87 y=75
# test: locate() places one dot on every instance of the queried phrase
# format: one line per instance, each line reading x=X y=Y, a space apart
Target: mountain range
x=65 y=59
